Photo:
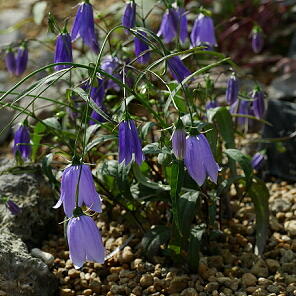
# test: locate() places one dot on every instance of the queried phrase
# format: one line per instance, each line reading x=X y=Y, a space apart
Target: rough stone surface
x=21 y=274
x=290 y=227
x=27 y=187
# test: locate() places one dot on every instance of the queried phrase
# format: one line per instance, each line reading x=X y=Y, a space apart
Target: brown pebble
x=66 y=292
x=248 y=279
x=146 y=280
x=87 y=292
x=73 y=273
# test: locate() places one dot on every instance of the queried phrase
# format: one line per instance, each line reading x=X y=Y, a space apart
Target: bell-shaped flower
x=22 y=142
x=241 y=107
x=10 y=61
x=87 y=194
x=257 y=39
x=178 y=70
x=232 y=90
x=258 y=103
x=85 y=241
x=179 y=143
x=129 y=143
x=21 y=60
x=13 y=207
x=140 y=47
x=129 y=15
x=199 y=159
x=63 y=51
x=203 y=32
x=257 y=160
x=110 y=65
x=84 y=26
x=182 y=24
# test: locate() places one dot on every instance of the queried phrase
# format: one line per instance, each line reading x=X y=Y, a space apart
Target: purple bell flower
x=87 y=193
x=257 y=161
x=129 y=143
x=21 y=60
x=84 y=26
x=203 y=32
x=22 y=142
x=85 y=241
x=199 y=159
x=257 y=40
x=10 y=61
x=179 y=143
x=140 y=47
x=211 y=105
x=178 y=70
x=240 y=107
x=168 y=26
x=13 y=207
x=232 y=90
x=129 y=15
x=258 y=103
x=174 y=22
x=63 y=51
x=109 y=65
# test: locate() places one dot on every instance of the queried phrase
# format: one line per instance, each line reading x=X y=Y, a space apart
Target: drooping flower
x=84 y=26
x=85 y=241
x=22 y=142
x=257 y=161
x=257 y=39
x=63 y=51
x=199 y=159
x=10 y=61
x=129 y=143
x=13 y=207
x=258 y=103
x=174 y=22
x=21 y=60
x=232 y=90
x=179 y=143
x=140 y=47
x=129 y=15
x=109 y=65
x=203 y=32
x=87 y=194
x=241 y=107
x=178 y=70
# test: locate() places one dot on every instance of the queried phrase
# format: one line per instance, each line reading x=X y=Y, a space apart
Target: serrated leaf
x=260 y=195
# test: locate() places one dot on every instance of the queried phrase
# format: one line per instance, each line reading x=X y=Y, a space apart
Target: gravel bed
x=234 y=270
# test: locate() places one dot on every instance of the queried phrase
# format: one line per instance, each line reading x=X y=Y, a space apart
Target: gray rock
x=20 y=274
x=290 y=227
x=46 y=257
x=283 y=87
x=280 y=205
x=27 y=187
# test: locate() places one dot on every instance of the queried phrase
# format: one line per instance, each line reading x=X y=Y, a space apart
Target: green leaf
x=47 y=169
x=146 y=128
x=154 y=238
x=36 y=138
x=260 y=195
x=52 y=122
x=225 y=124
x=90 y=131
x=243 y=160
x=92 y=104
x=193 y=257
x=152 y=148
x=99 y=140
x=146 y=181
x=177 y=176
x=187 y=211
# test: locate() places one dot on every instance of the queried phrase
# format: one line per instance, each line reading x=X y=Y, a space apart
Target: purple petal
x=21 y=60
x=178 y=70
x=125 y=145
x=167 y=28
x=136 y=143
x=10 y=62
x=129 y=16
x=179 y=143
x=258 y=103
x=140 y=47
x=232 y=90
x=22 y=142
x=63 y=51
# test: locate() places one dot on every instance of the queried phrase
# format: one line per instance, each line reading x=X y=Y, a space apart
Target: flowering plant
x=139 y=124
